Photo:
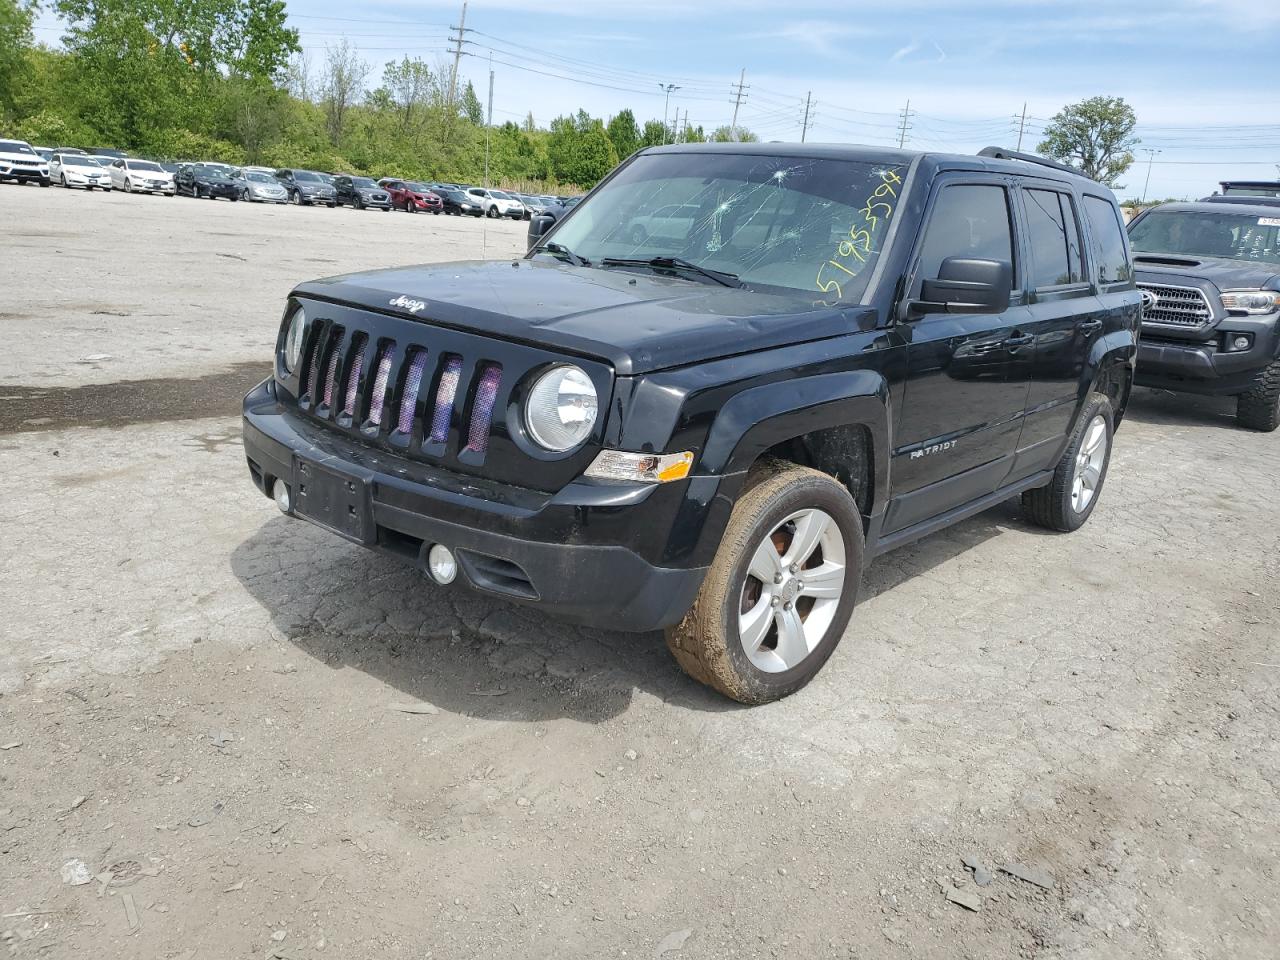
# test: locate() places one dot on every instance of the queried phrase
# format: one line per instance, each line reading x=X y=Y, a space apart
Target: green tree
x=728 y=134
x=344 y=76
x=412 y=87
x=653 y=134
x=471 y=108
x=16 y=17
x=624 y=133
x=1096 y=136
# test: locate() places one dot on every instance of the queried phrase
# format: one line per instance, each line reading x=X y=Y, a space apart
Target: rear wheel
x=1066 y=501
x=781 y=589
x=1259 y=408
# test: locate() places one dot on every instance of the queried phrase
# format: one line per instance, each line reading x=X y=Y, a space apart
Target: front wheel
x=1259 y=408
x=493 y=213
x=781 y=589
x=1067 y=500
x=128 y=186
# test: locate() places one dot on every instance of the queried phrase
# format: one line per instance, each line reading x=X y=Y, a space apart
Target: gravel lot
x=196 y=695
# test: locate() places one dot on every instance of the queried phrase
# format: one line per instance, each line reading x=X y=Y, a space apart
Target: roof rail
x=1003 y=153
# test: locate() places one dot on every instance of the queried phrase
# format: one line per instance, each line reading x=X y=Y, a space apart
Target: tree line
x=228 y=80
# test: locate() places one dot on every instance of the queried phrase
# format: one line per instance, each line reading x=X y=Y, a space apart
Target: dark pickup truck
x=818 y=354
x=1210 y=273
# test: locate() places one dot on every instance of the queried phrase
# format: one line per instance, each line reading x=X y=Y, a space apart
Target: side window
x=1108 y=241
x=968 y=220
x=1052 y=243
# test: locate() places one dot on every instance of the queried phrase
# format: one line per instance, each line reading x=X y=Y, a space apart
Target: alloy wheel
x=1089 y=463
x=792 y=590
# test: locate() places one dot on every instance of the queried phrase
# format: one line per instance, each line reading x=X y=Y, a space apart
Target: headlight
x=640 y=467
x=1251 y=301
x=561 y=408
x=293 y=340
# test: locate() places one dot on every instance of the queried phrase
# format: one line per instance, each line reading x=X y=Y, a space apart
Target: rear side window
x=1108 y=241
x=1054 y=238
x=968 y=220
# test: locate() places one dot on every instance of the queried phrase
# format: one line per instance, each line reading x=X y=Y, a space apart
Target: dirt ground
x=202 y=703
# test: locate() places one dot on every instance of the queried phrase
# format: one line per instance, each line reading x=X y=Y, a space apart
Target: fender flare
x=759 y=418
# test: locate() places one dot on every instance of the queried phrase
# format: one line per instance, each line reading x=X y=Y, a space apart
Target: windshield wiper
x=676 y=263
x=552 y=247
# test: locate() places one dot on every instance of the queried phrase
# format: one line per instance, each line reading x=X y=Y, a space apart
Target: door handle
x=1090 y=326
x=1019 y=340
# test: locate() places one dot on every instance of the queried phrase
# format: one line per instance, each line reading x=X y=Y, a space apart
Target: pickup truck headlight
x=561 y=408
x=293 y=340
x=1251 y=301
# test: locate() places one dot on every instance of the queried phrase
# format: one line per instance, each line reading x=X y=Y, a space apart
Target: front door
x=967 y=374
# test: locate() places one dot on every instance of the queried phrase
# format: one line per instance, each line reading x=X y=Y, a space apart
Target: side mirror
x=540 y=224
x=967 y=285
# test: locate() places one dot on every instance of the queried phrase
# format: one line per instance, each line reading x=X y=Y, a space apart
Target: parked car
x=360 y=192
x=410 y=196
x=305 y=187
x=207 y=181
x=77 y=170
x=459 y=203
x=670 y=221
x=18 y=162
x=46 y=153
x=1210 y=273
x=533 y=205
x=258 y=186
x=141 y=176
x=1251 y=188
x=495 y=203
x=714 y=436
x=73 y=150
x=105 y=152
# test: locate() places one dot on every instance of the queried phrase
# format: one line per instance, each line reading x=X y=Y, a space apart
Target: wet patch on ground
x=25 y=409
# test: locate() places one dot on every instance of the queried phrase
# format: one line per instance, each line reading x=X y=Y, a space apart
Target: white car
x=20 y=163
x=673 y=222
x=495 y=203
x=141 y=176
x=77 y=170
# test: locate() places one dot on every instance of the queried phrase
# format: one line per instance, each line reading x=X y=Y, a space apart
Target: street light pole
x=666 y=104
x=1150 y=157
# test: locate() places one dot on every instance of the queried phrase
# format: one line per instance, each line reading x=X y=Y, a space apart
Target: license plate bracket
x=336 y=501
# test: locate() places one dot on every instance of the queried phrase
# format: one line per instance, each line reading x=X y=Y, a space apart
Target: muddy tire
x=1259 y=408
x=1066 y=501
x=757 y=631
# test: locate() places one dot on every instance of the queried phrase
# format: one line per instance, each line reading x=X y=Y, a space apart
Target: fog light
x=1241 y=343
x=441 y=564
x=280 y=490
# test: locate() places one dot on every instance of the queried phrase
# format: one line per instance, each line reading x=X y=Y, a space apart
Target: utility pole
x=488 y=124
x=666 y=105
x=739 y=95
x=1151 y=154
x=1022 y=123
x=804 y=127
x=684 y=127
x=904 y=124
x=457 y=53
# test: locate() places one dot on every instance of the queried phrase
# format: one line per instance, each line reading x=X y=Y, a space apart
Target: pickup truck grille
x=1177 y=306
x=416 y=391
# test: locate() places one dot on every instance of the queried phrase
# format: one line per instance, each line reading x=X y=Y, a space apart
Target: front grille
x=1177 y=306
x=350 y=381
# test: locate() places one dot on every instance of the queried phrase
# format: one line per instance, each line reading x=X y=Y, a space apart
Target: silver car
x=259 y=187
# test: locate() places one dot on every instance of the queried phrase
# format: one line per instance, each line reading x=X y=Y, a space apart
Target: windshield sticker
x=851 y=254
x=1269 y=221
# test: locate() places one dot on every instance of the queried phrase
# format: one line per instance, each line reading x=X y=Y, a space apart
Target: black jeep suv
x=1210 y=273
x=825 y=353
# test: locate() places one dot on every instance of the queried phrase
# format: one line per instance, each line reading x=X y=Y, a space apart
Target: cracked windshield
x=774 y=224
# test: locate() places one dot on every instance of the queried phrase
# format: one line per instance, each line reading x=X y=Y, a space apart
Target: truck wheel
x=1259 y=408
x=780 y=590
x=1066 y=501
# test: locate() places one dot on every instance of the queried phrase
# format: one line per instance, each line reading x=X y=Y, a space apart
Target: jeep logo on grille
x=405 y=303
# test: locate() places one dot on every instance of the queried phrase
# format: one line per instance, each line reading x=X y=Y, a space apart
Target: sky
x=1200 y=74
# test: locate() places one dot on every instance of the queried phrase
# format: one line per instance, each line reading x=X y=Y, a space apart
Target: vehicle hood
x=6 y=155
x=1223 y=274
x=636 y=321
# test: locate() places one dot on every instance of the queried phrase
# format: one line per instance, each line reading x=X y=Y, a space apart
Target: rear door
x=967 y=376
x=1065 y=319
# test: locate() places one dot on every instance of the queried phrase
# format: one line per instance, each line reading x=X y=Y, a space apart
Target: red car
x=410 y=196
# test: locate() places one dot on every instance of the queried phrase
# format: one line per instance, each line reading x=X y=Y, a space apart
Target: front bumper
x=1203 y=366
x=20 y=174
x=372 y=204
x=525 y=546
